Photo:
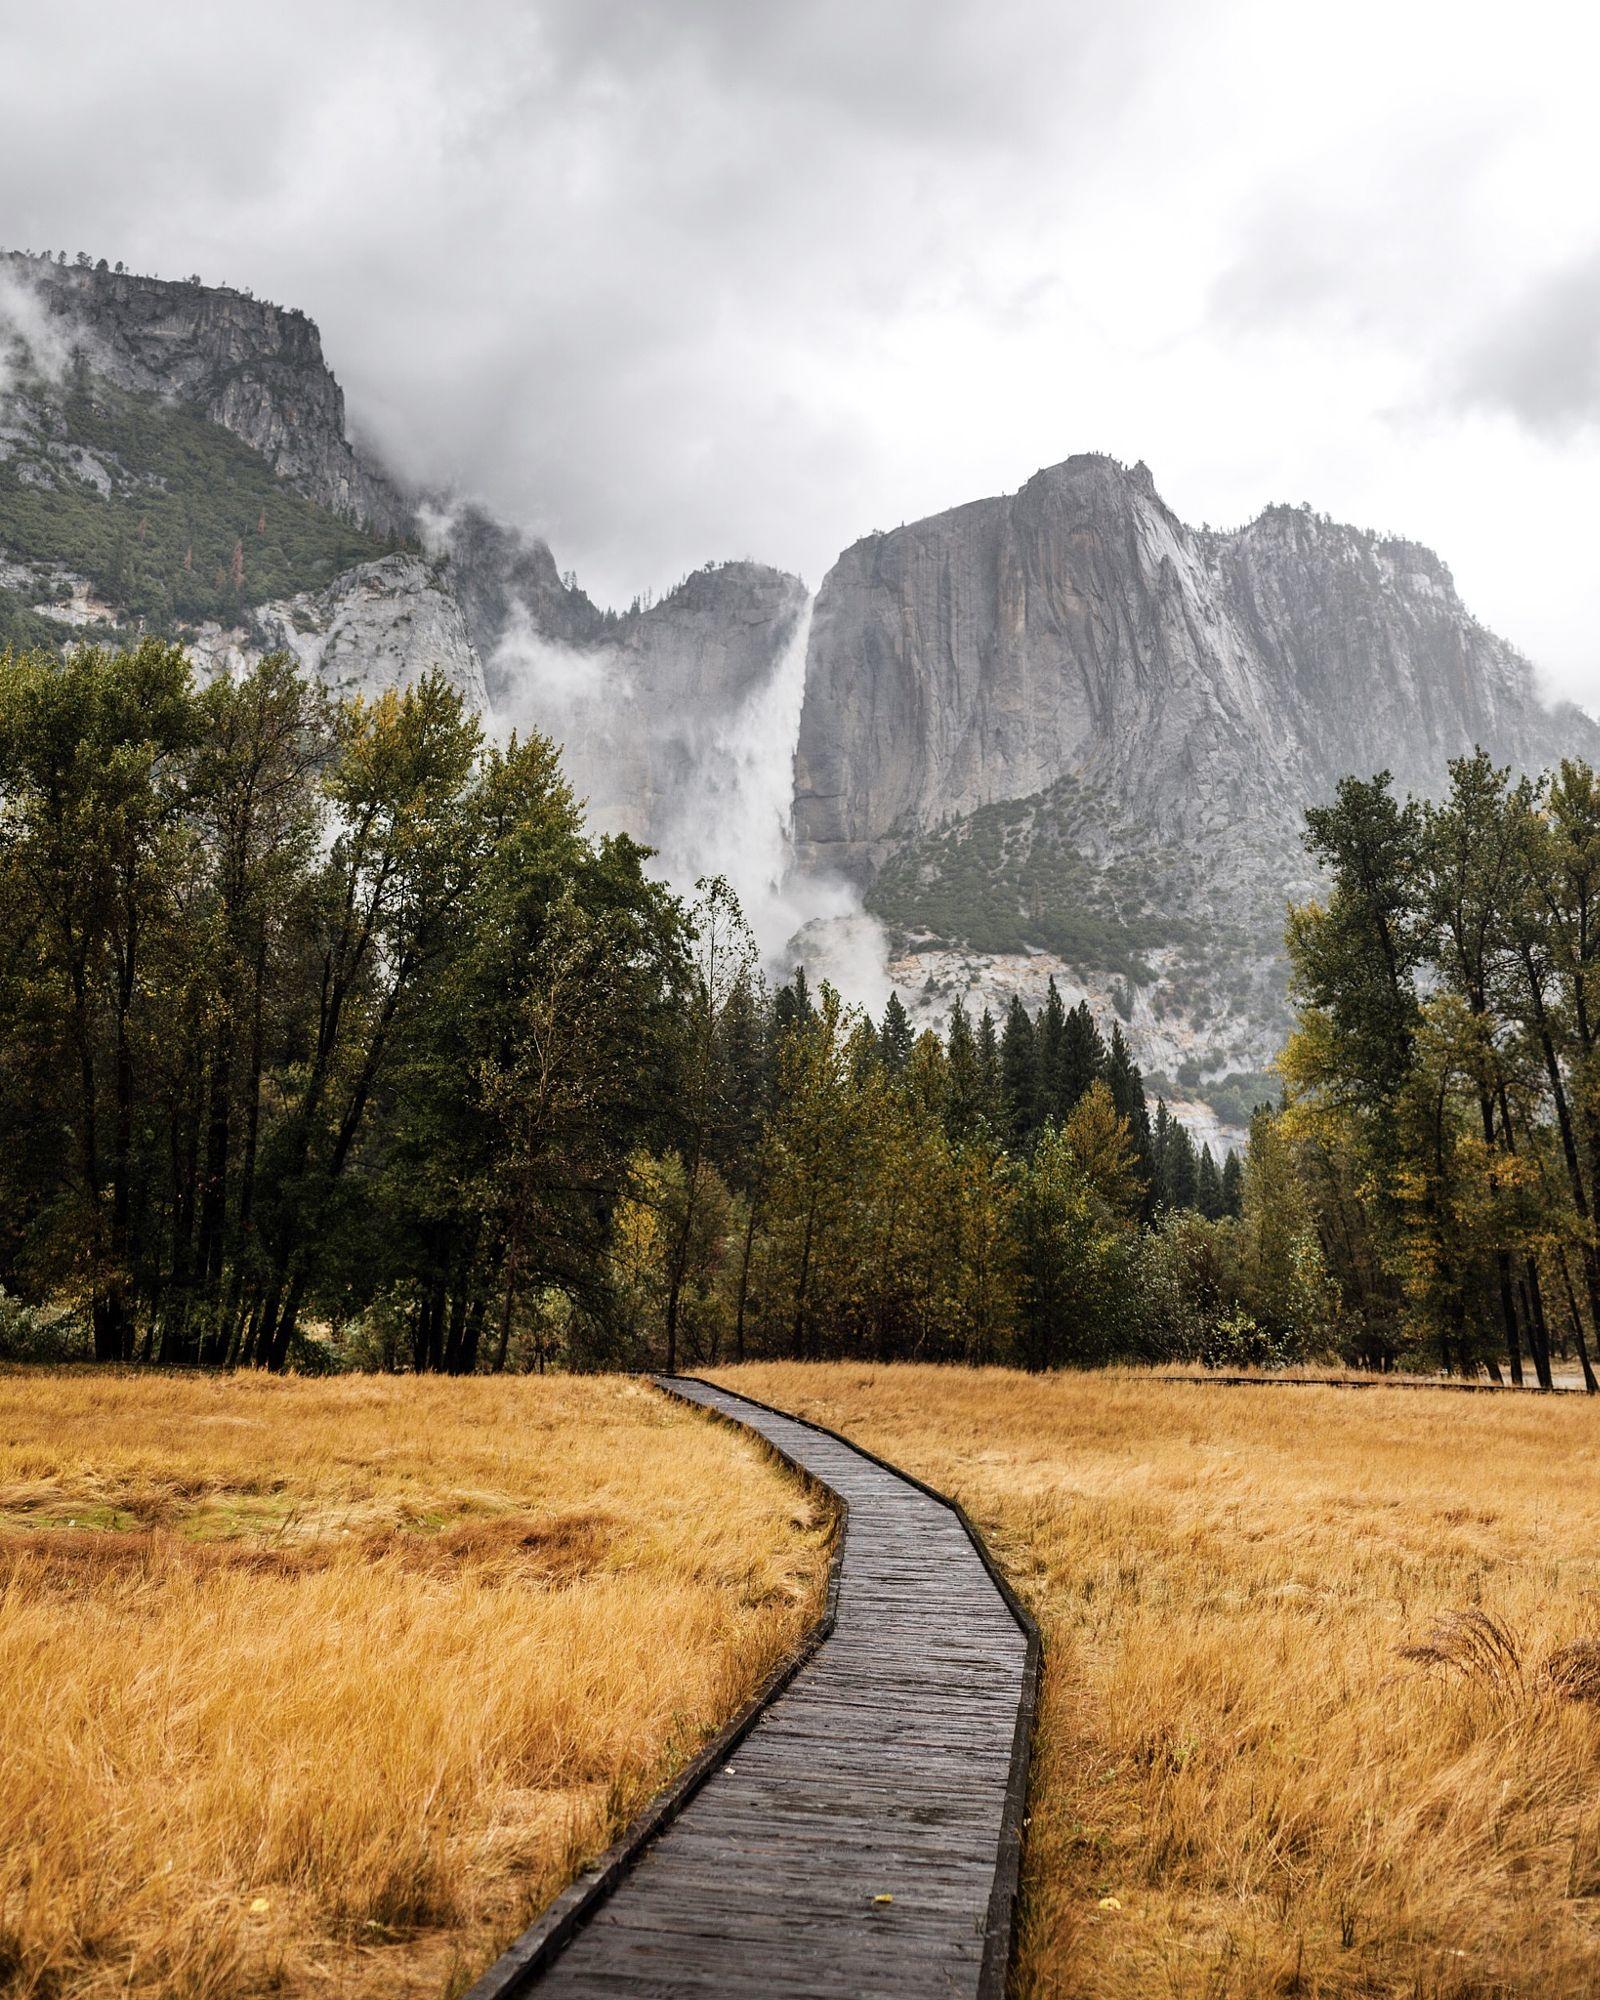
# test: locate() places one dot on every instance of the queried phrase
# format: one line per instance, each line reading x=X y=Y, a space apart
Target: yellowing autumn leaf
x=883 y=1899
x=259 y=1906
x=1110 y=1903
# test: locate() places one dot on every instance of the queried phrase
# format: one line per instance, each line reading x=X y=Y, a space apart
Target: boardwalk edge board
x=1000 y=1928
x=519 y=1966
x=1368 y=1382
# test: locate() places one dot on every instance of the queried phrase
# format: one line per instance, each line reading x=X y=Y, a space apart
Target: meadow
x=1322 y=1668
x=326 y=1686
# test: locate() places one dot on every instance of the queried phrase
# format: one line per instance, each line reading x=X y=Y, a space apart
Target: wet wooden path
x=893 y=1766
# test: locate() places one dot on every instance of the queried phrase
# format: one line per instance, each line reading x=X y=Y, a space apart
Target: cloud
x=1539 y=360
x=31 y=343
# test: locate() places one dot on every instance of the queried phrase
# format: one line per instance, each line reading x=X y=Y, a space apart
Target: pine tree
x=1049 y=1039
x=1019 y=1075
x=964 y=1089
x=990 y=1093
x=1232 y=1184
x=1160 y=1139
x=743 y=1056
x=1178 y=1175
x=1125 y=1080
x=791 y=1006
x=1208 y=1186
x=895 y=1036
x=1082 y=1059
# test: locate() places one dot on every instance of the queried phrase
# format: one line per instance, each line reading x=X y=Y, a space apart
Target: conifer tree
x=1232 y=1185
x=1208 y=1186
x=895 y=1036
x=1160 y=1139
x=791 y=1006
x=1082 y=1059
x=1179 y=1171
x=1049 y=1040
x=990 y=1090
x=1125 y=1080
x=1019 y=1074
x=964 y=1083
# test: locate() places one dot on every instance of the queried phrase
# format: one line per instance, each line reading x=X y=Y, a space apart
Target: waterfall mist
x=709 y=787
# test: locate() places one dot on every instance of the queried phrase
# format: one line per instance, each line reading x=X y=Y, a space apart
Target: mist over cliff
x=1052 y=734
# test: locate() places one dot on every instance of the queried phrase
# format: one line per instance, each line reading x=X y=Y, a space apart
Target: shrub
x=29 y=1334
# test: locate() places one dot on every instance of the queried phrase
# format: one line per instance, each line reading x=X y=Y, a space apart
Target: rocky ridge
x=1056 y=733
x=255 y=369
x=382 y=625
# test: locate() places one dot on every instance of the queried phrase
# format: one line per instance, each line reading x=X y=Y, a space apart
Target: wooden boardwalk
x=892 y=1766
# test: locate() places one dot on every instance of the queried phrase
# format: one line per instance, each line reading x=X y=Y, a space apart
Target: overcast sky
x=673 y=279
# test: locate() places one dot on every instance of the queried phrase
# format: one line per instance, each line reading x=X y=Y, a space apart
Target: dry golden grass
x=316 y=1687
x=1234 y=1743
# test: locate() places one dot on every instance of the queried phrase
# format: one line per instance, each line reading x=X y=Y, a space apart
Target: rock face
x=379 y=626
x=1203 y=682
x=1061 y=732
x=650 y=714
x=1052 y=734
x=1373 y=660
x=507 y=582
x=251 y=367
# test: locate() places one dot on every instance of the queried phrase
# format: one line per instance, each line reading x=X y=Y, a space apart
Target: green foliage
x=1236 y=1097
x=1020 y=874
x=22 y=628
x=1442 y=1074
x=305 y=1013
x=195 y=525
x=28 y=1334
x=330 y=1040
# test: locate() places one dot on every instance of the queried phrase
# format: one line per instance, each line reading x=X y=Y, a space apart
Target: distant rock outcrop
x=382 y=625
x=256 y=369
x=1051 y=735
x=1204 y=682
x=646 y=713
x=507 y=583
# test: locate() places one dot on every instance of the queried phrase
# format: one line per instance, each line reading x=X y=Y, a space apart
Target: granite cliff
x=1078 y=629
x=381 y=625
x=1058 y=733
x=201 y=480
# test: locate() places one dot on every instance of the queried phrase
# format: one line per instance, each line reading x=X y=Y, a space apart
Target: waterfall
x=737 y=814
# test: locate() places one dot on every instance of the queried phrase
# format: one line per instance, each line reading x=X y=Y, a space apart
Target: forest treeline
x=329 y=1037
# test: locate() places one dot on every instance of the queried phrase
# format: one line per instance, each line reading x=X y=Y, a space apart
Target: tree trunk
x=1591 y=1387
x=508 y=1304
x=1538 y=1331
x=744 y=1267
x=802 y=1287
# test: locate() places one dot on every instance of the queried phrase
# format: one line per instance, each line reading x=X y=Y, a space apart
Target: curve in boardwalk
x=863 y=1838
